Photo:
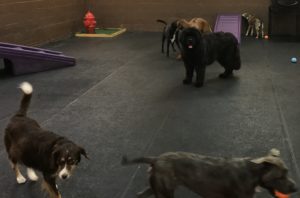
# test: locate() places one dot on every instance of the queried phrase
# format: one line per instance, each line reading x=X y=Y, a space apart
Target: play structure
x=19 y=59
x=229 y=23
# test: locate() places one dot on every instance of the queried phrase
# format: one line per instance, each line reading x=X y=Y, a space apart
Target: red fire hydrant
x=89 y=22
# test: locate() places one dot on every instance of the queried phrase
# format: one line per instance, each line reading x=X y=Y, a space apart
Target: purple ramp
x=229 y=23
x=23 y=59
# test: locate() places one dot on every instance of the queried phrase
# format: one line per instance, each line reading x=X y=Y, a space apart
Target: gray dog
x=213 y=177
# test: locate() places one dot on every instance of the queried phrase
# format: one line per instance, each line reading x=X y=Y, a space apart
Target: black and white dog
x=202 y=49
x=169 y=35
x=38 y=149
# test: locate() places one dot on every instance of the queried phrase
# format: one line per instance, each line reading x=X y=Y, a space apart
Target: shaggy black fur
x=169 y=32
x=200 y=50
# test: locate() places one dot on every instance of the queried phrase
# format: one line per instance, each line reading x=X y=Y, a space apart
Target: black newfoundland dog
x=200 y=50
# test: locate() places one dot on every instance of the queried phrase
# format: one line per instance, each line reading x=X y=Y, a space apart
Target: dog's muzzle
x=64 y=176
x=64 y=173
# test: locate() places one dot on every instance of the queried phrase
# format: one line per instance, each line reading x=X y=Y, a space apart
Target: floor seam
x=87 y=91
x=146 y=150
x=285 y=130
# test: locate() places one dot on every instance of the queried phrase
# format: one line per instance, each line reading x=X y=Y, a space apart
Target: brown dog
x=213 y=177
x=199 y=23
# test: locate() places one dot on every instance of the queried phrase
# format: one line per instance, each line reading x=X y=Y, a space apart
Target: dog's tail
x=27 y=93
x=161 y=21
x=145 y=160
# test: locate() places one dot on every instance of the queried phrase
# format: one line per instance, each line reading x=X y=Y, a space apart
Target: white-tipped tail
x=26 y=87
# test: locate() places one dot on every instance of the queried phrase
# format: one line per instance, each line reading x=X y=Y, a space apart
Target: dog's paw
x=179 y=57
x=225 y=75
x=186 y=81
x=21 y=179
x=199 y=84
x=32 y=175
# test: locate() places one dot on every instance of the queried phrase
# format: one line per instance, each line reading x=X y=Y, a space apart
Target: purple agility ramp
x=23 y=60
x=229 y=23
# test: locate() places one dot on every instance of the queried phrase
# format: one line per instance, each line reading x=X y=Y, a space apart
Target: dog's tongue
x=190 y=46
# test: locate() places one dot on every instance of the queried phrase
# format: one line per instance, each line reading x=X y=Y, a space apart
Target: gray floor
x=125 y=97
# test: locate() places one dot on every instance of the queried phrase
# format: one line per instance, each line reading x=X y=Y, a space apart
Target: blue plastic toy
x=294 y=60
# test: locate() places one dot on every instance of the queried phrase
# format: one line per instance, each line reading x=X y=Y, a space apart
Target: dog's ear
x=273 y=166
x=269 y=168
x=273 y=157
x=55 y=154
x=83 y=152
x=55 y=151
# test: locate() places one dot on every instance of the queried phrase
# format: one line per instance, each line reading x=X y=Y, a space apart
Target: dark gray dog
x=213 y=177
x=169 y=35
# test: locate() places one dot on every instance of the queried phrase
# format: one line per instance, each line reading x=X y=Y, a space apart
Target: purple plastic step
x=229 y=23
x=23 y=59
